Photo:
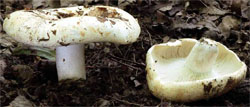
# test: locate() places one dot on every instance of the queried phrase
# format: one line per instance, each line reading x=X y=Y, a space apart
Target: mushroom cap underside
x=73 y=25
x=168 y=78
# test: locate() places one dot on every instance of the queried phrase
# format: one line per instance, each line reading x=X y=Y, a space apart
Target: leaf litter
x=116 y=73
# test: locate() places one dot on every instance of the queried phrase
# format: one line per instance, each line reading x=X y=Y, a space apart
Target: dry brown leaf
x=166 y=39
x=9 y=2
x=3 y=65
x=24 y=72
x=211 y=2
x=209 y=24
x=175 y=10
x=6 y=41
x=247 y=46
x=1 y=28
x=228 y=23
x=152 y=9
x=161 y=17
x=103 y=103
x=39 y=3
x=137 y=83
x=213 y=11
x=53 y=3
x=195 y=5
x=246 y=12
x=176 y=2
x=166 y=8
x=21 y=101
x=8 y=9
x=212 y=35
x=123 y=3
x=236 y=6
x=211 y=17
x=66 y=3
x=1 y=22
x=188 y=26
x=245 y=8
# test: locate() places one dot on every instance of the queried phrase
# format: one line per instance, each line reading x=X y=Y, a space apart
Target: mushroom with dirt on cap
x=68 y=29
x=188 y=70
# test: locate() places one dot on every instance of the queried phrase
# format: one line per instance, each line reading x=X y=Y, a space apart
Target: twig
x=204 y=4
x=126 y=102
x=125 y=64
x=94 y=57
x=142 y=44
x=116 y=46
x=93 y=67
x=111 y=79
x=128 y=50
x=127 y=60
x=150 y=39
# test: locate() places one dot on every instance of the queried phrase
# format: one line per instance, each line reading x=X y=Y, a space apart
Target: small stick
x=150 y=39
x=204 y=4
x=127 y=60
x=126 y=102
x=125 y=64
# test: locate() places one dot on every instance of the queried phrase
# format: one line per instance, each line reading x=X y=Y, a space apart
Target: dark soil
x=116 y=75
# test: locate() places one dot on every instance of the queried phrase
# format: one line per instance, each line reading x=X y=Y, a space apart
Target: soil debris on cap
x=65 y=15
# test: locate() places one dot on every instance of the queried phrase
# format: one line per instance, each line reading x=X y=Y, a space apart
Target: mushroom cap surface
x=72 y=25
x=169 y=80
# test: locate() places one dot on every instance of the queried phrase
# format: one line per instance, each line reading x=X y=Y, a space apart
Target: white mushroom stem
x=202 y=56
x=70 y=62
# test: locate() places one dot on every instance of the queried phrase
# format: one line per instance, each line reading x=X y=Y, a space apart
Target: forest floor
x=116 y=74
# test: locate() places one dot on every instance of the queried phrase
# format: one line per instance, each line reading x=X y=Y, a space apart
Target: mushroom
x=188 y=70
x=68 y=29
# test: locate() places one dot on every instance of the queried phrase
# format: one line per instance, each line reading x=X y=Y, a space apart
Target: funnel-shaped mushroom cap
x=188 y=70
x=73 y=25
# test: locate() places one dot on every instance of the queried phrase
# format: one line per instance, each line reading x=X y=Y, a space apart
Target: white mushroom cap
x=176 y=71
x=74 y=25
